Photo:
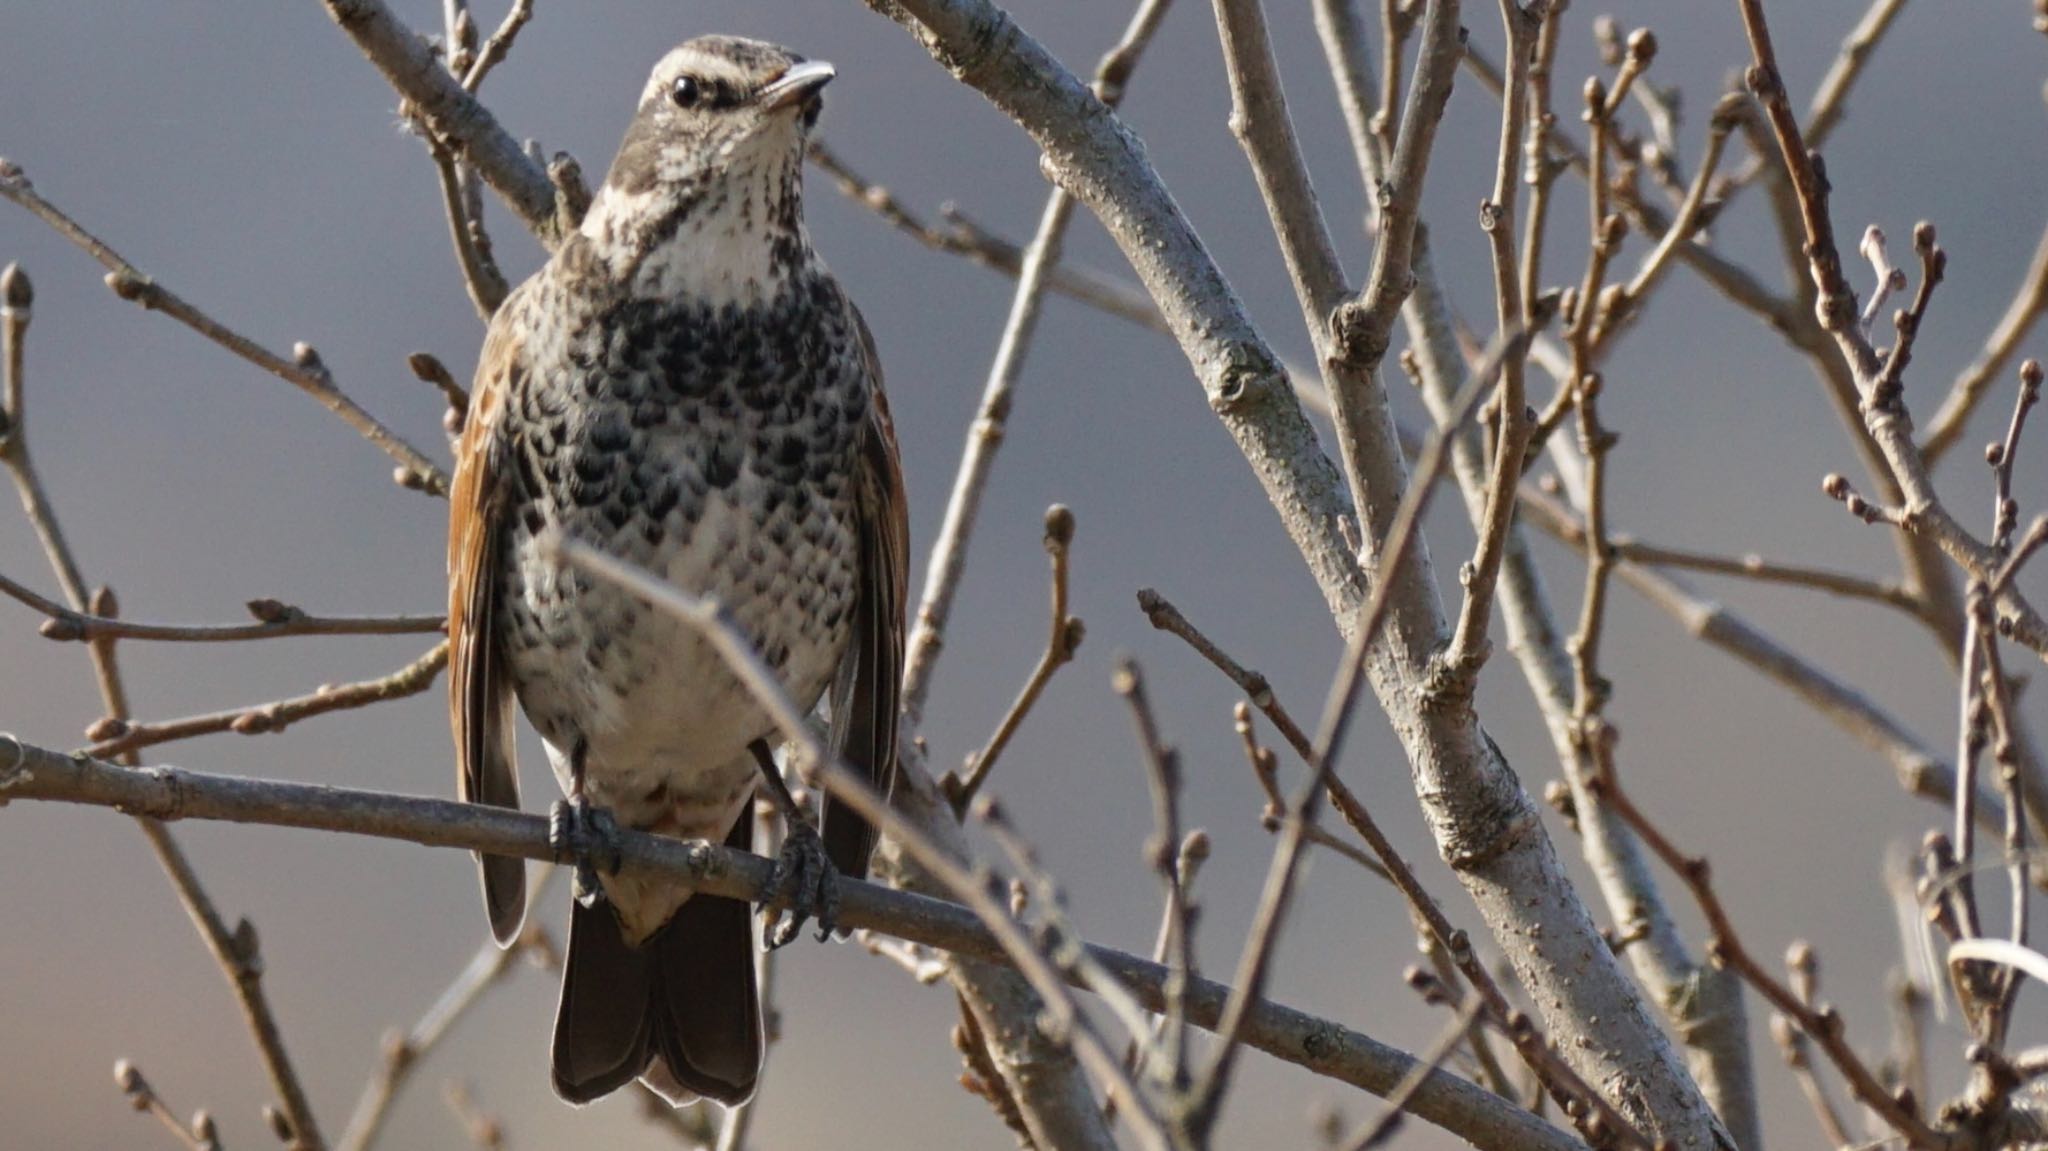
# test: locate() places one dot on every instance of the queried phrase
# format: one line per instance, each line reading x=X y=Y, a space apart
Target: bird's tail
x=680 y=1011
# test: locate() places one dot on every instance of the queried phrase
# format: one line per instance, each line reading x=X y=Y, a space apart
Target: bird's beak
x=796 y=86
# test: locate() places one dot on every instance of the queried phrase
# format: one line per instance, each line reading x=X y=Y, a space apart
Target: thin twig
x=1063 y=639
x=1883 y=411
x=1830 y=100
x=1468 y=648
x=1695 y=212
x=304 y=370
x=732 y=1132
x=113 y=736
x=1820 y=1022
x=1539 y=167
x=1065 y=947
x=985 y=436
x=404 y=1050
x=199 y=1134
x=483 y=1129
x=1795 y=1047
x=1752 y=567
x=1591 y=689
x=2028 y=303
x=274 y=620
x=480 y=275
x=1382 y=1127
x=965 y=238
x=498 y=45
x=1169 y=857
x=1266 y=769
x=1920 y=771
x=1163 y=615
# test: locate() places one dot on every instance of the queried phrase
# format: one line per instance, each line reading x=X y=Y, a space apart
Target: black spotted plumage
x=685 y=387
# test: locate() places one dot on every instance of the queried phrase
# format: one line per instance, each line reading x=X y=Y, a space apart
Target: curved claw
x=588 y=837
x=805 y=874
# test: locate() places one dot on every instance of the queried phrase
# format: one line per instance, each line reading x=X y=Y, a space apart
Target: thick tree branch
x=1482 y=821
x=455 y=115
x=1092 y=154
x=1705 y=1007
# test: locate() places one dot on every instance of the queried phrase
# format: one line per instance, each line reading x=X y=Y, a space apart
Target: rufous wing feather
x=480 y=695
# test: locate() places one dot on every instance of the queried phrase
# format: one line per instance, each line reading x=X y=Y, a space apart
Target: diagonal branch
x=304 y=370
x=1482 y=821
x=455 y=115
x=985 y=435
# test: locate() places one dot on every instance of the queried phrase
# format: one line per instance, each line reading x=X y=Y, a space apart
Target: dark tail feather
x=706 y=1012
x=603 y=1026
x=504 y=894
x=681 y=1011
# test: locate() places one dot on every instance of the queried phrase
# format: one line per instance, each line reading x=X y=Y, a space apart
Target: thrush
x=685 y=386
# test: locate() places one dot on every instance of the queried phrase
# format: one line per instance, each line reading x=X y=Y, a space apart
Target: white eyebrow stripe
x=706 y=67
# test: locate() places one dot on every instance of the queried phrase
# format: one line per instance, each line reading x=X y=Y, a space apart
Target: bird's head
x=706 y=195
x=720 y=109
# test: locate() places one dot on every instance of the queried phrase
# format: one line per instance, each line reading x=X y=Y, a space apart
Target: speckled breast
x=714 y=446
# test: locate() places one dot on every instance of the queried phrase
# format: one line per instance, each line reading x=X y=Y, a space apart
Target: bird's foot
x=805 y=874
x=588 y=837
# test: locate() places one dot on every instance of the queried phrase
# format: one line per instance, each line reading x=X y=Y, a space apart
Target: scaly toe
x=588 y=837
x=805 y=875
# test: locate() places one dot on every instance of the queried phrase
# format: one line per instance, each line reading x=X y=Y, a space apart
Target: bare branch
x=483 y=1129
x=1883 y=411
x=197 y=1135
x=273 y=620
x=1062 y=640
x=985 y=436
x=480 y=275
x=538 y=196
x=1820 y=1022
x=28 y=772
x=499 y=45
x=2029 y=301
x=1172 y=859
x=304 y=370
x=1469 y=648
x=114 y=736
x=235 y=951
x=403 y=1050
x=1830 y=100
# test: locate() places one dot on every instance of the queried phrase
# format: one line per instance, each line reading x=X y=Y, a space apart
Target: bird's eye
x=686 y=92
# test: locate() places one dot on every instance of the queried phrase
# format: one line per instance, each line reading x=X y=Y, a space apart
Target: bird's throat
x=731 y=241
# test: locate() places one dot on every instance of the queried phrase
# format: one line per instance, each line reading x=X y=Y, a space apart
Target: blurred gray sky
x=246 y=155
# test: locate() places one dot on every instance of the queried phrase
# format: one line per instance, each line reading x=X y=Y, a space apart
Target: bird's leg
x=802 y=867
x=587 y=835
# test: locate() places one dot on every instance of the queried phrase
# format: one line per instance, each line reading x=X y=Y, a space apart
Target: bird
x=686 y=386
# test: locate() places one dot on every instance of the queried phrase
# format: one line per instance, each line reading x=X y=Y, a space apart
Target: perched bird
x=685 y=386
